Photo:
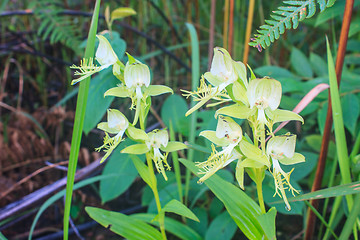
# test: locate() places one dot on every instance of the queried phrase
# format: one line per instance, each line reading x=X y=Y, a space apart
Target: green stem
x=156 y=194
x=259 y=181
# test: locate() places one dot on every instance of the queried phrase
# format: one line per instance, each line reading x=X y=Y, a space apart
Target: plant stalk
x=248 y=31
x=156 y=194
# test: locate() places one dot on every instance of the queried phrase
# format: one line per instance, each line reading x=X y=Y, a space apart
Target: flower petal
x=105 y=55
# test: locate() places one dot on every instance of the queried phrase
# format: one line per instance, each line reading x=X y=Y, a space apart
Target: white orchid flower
x=137 y=86
x=156 y=140
x=105 y=55
x=117 y=124
x=264 y=95
x=223 y=72
x=281 y=149
x=228 y=134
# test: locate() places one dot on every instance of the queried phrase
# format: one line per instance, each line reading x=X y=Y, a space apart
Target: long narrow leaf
x=172 y=226
x=195 y=75
x=79 y=120
x=340 y=138
x=243 y=210
x=342 y=190
x=126 y=226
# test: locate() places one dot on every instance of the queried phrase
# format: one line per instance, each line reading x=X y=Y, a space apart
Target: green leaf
x=121 y=13
x=177 y=207
x=267 y=222
x=174 y=109
x=351 y=110
x=79 y=122
x=155 y=90
x=341 y=190
x=285 y=115
x=221 y=228
x=2 y=237
x=240 y=206
x=300 y=63
x=202 y=226
x=340 y=138
x=136 y=134
x=314 y=142
x=140 y=148
x=236 y=111
x=318 y=65
x=143 y=171
x=120 y=165
x=97 y=104
x=301 y=170
x=172 y=226
x=274 y=72
x=126 y=226
x=253 y=153
x=174 y=146
x=121 y=91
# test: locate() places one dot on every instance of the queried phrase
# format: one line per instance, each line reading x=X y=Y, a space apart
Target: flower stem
x=156 y=194
x=259 y=180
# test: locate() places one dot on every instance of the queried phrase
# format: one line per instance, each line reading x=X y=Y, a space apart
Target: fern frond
x=286 y=17
x=55 y=26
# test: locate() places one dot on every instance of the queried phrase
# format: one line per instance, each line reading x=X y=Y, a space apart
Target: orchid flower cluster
x=134 y=83
x=256 y=100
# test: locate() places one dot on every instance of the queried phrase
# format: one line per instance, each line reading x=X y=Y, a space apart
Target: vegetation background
x=39 y=41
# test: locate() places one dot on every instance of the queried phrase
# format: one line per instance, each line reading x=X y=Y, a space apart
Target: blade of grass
x=335 y=213
x=79 y=120
x=354 y=214
x=340 y=138
x=321 y=219
x=195 y=75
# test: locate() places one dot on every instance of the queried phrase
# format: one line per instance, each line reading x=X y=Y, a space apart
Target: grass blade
x=79 y=120
x=340 y=138
x=195 y=75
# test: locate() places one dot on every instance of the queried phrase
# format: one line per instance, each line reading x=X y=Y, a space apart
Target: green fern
x=286 y=17
x=54 y=26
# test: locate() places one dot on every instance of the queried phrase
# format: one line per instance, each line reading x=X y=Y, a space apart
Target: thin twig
x=13 y=187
